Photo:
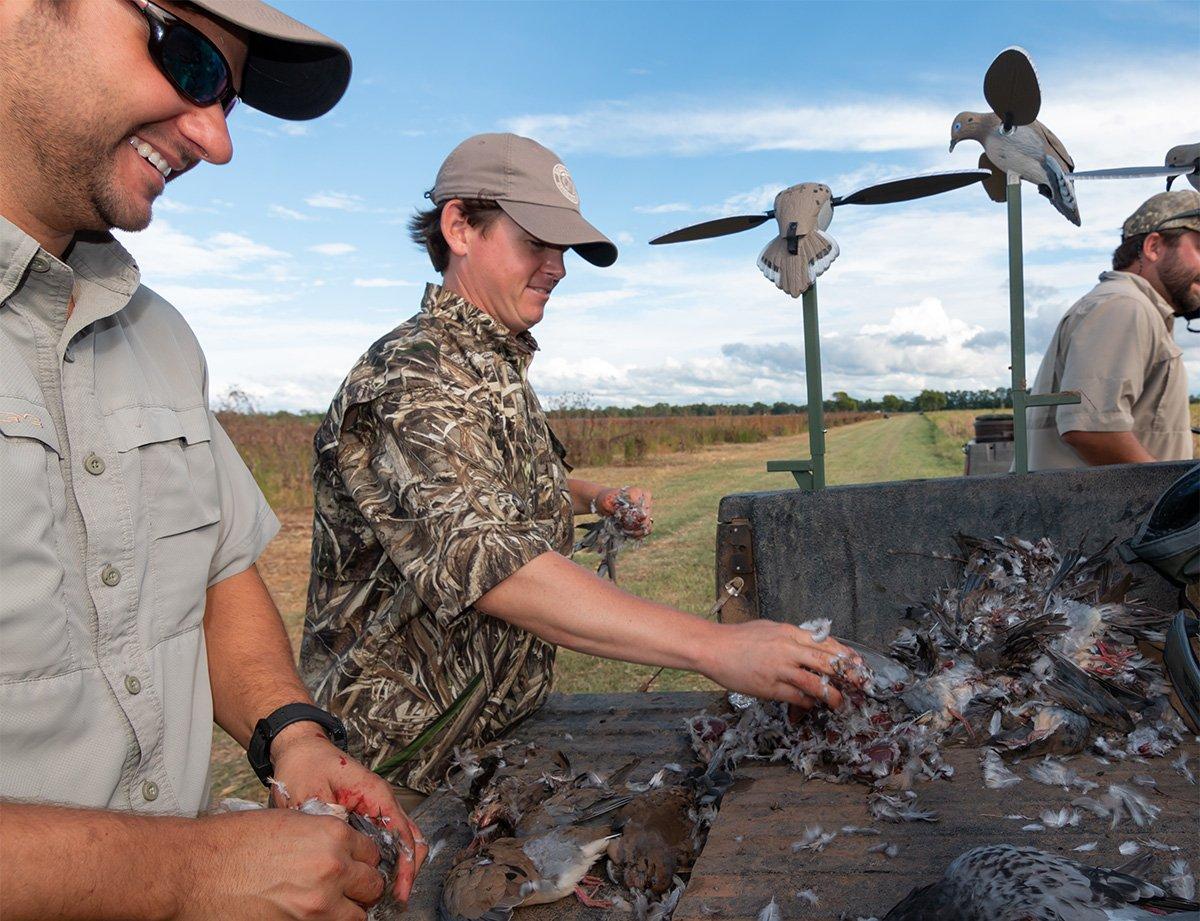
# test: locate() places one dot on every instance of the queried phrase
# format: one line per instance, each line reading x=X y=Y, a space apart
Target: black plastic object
x=1169 y=539
x=910 y=187
x=1182 y=666
x=721 y=227
x=1011 y=88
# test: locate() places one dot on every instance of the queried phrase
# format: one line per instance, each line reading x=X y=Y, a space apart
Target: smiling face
x=500 y=268
x=89 y=126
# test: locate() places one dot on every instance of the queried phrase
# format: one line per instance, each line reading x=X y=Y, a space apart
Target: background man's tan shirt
x=1115 y=346
x=121 y=501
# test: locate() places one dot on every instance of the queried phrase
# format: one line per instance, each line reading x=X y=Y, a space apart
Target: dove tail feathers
x=1060 y=190
x=795 y=274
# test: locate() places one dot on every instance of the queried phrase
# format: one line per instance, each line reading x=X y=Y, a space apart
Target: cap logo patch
x=565 y=184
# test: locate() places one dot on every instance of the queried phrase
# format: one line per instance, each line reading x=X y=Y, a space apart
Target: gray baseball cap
x=1164 y=211
x=292 y=71
x=531 y=186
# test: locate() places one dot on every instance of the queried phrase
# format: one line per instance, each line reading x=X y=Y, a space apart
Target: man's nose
x=205 y=128
x=553 y=265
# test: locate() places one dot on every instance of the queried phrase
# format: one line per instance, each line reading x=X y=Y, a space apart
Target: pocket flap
x=22 y=419
x=135 y=426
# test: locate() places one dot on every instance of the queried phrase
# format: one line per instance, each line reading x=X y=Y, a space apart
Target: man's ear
x=1153 y=247
x=455 y=227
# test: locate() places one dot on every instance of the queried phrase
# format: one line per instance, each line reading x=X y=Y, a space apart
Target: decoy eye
x=958 y=126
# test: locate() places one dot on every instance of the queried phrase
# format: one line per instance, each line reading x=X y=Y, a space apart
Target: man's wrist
x=305 y=729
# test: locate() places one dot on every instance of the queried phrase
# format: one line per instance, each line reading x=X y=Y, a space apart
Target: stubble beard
x=1181 y=284
x=60 y=144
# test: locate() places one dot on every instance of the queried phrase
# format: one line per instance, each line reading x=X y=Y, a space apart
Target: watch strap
x=258 y=752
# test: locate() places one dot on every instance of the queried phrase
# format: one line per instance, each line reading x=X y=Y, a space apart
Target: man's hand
x=635 y=525
x=308 y=764
x=274 y=864
x=763 y=658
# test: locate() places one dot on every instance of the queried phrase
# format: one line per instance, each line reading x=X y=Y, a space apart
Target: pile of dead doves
x=1033 y=659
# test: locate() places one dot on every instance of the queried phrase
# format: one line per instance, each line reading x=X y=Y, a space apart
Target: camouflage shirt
x=436 y=478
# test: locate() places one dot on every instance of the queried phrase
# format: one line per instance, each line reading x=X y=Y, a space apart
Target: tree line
x=580 y=405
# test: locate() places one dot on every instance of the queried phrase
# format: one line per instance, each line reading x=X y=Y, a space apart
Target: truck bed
x=748 y=859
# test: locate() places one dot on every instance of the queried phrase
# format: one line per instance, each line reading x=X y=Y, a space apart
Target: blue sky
x=291 y=260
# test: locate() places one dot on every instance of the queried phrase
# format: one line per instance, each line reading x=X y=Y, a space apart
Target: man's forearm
x=1100 y=448
x=63 y=863
x=583 y=493
x=566 y=605
x=250 y=661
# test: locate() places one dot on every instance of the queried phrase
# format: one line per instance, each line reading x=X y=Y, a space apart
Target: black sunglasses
x=188 y=58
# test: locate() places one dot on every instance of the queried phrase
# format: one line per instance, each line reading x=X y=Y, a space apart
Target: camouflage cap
x=1164 y=211
x=530 y=184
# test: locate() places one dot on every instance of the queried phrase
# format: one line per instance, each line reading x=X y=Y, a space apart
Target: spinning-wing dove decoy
x=802 y=250
x=1003 y=882
x=509 y=872
x=1185 y=155
x=1031 y=151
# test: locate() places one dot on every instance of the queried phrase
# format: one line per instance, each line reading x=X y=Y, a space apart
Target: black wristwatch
x=258 y=753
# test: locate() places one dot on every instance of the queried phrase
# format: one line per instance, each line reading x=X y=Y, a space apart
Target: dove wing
x=1054 y=145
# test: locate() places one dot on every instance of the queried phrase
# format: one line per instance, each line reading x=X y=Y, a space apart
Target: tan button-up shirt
x=437 y=478
x=1115 y=346
x=121 y=501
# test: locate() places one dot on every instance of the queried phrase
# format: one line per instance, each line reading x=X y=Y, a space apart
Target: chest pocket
x=1171 y=413
x=34 y=632
x=168 y=454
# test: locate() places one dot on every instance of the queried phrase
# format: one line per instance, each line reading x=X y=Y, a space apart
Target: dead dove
x=657 y=839
x=1004 y=882
x=510 y=872
x=1185 y=155
x=1031 y=151
x=802 y=251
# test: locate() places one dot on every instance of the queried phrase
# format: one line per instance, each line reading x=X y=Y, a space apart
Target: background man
x=441 y=581
x=131 y=611
x=1116 y=347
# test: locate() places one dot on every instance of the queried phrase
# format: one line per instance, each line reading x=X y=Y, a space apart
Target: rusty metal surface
x=748 y=858
x=735 y=558
x=597 y=732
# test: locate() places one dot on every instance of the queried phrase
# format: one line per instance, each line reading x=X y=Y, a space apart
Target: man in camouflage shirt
x=444 y=513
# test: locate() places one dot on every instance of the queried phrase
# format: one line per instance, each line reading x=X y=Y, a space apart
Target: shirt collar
x=1143 y=286
x=468 y=322
x=104 y=274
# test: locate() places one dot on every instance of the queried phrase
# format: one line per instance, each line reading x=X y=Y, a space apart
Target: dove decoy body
x=1031 y=151
x=1185 y=155
x=802 y=250
x=1004 y=882
x=509 y=872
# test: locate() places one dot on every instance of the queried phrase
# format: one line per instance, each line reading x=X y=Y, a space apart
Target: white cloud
x=383 y=283
x=338 y=201
x=333 y=249
x=290 y=213
x=170 y=253
x=670 y=207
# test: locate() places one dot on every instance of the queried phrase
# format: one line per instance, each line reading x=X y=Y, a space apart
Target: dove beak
x=1170 y=179
x=952 y=143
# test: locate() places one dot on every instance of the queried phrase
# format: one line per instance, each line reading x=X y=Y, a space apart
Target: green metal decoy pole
x=810 y=474
x=816 y=396
x=1016 y=309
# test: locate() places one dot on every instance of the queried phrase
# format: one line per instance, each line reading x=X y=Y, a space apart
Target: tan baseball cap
x=292 y=71
x=530 y=184
x=1164 y=211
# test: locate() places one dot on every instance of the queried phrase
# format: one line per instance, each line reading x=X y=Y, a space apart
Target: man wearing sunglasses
x=1116 y=347
x=131 y=611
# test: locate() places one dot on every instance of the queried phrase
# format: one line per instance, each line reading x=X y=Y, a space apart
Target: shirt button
x=149 y=791
x=132 y=685
x=93 y=464
x=110 y=575
x=40 y=263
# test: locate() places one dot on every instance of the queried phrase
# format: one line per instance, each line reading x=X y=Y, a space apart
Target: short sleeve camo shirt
x=436 y=478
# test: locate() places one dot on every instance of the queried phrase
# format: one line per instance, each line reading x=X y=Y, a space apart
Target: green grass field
x=676 y=565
